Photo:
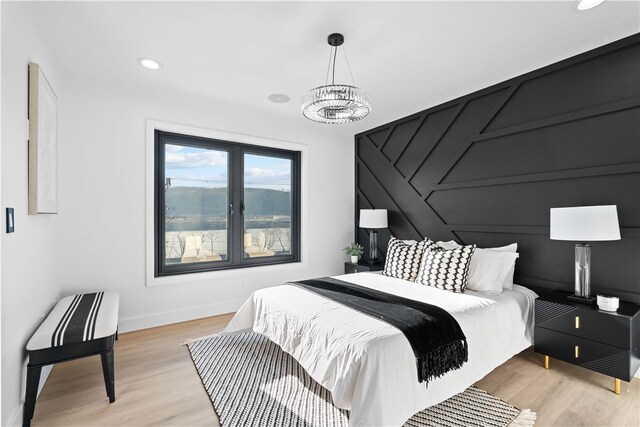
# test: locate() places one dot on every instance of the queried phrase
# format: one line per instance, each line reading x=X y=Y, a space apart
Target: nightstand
x=350 y=267
x=580 y=334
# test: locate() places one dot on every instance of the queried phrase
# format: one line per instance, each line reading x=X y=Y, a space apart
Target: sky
x=201 y=167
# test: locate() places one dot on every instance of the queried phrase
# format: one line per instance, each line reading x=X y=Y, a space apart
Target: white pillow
x=508 y=280
x=489 y=271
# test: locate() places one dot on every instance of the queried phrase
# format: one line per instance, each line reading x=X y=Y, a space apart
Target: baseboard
x=136 y=323
x=16 y=417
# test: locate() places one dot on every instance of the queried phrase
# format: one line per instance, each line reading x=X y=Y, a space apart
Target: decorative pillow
x=503 y=274
x=403 y=259
x=445 y=269
x=451 y=244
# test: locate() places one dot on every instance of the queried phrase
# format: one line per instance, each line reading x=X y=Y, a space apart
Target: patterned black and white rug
x=252 y=382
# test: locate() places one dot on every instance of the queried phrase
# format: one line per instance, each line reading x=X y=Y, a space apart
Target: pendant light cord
x=332 y=66
x=326 y=80
x=333 y=77
x=344 y=50
x=333 y=51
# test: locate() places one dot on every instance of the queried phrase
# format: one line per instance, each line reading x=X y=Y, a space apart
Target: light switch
x=10 y=219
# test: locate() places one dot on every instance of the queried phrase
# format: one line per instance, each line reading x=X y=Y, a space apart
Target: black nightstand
x=350 y=267
x=605 y=342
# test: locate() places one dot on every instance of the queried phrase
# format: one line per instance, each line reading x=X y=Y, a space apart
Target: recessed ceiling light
x=149 y=63
x=279 y=98
x=588 y=4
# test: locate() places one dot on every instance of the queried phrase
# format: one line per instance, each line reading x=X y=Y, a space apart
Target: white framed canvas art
x=43 y=144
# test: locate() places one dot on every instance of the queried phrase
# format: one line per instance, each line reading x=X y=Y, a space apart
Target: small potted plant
x=355 y=250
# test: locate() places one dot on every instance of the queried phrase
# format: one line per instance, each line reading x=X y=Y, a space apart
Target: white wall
x=29 y=264
x=1 y=419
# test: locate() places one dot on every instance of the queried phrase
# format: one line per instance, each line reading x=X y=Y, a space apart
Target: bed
x=367 y=364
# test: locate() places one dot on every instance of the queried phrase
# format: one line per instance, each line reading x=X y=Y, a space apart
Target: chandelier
x=335 y=103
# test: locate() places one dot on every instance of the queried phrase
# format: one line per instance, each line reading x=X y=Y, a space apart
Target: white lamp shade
x=373 y=218
x=585 y=223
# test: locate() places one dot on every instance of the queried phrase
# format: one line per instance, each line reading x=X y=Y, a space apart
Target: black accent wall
x=485 y=168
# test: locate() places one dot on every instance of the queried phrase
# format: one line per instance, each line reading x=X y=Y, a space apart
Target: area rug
x=252 y=382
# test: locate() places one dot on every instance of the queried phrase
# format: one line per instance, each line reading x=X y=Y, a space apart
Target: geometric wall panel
x=465 y=125
x=402 y=134
x=379 y=137
x=486 y=168
x=425 y=140
x=538 y=98
x=609 y=138
x=513 y=204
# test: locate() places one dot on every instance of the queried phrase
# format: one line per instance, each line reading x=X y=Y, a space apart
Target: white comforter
x=367 y=364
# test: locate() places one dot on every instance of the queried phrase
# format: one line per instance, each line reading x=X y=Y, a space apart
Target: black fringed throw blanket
x=435 y=336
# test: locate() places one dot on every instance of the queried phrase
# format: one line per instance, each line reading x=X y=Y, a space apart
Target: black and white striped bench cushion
x=76 y=319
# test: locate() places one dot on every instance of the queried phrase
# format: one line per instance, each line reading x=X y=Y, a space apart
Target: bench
x=78 y=326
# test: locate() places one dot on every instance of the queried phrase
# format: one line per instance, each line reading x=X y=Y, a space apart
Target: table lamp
x=584 y=224
x=373 y=219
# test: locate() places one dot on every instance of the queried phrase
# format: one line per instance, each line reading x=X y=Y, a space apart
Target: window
x=221 y=205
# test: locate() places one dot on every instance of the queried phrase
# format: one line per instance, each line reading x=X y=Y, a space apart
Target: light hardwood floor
x=157 y=385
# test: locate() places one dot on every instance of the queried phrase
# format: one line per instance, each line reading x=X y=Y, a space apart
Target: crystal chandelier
x=335 y=103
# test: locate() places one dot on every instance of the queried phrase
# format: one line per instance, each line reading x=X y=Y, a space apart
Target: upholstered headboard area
x=487 y=167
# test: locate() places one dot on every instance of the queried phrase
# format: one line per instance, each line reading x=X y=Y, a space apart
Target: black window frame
x=235 y=208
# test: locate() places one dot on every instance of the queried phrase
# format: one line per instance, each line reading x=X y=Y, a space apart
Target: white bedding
x=367 y=364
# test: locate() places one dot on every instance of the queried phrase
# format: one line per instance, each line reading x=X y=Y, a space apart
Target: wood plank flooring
x=157 y=385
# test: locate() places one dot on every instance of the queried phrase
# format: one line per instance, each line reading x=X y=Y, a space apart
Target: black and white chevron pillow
x=403 y=259
x=445 y=269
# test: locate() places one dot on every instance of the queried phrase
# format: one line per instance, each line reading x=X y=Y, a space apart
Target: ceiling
x=408 y=55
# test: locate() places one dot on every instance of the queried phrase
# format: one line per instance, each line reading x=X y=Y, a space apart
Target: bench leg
x=107 y=370
x=33 y=381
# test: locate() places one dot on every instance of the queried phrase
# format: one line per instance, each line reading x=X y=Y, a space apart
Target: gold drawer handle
x=577 y=322
x=577 y=350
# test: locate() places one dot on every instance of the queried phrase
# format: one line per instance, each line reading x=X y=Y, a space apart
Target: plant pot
x=354 y=259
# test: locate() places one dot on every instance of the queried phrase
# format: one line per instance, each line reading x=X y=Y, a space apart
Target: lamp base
x=582 y=271
x=373 y=246
x=582 y=300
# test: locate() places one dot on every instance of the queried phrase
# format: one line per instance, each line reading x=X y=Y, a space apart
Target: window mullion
x=237 y=185
x=296 y=213
x=159 y=205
